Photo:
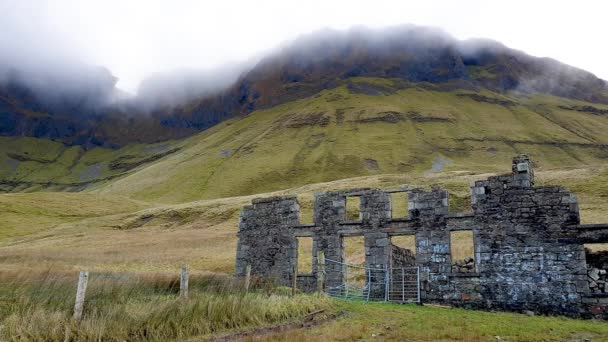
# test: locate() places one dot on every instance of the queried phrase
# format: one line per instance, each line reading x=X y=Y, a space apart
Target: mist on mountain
x=174 y=88
x=81 y=101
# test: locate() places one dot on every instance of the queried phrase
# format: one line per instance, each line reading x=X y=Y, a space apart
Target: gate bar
x=387 y=280
x=403 y=285
x=418 y=276
x=369 y=283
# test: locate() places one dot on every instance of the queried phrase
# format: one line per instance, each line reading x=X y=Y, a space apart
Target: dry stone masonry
x=597 y=276
x=402 y=257
x=529 y=252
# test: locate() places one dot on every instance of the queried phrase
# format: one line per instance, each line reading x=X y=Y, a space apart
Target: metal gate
x=399 y=284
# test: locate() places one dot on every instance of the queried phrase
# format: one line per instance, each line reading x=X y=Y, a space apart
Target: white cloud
x=139 y=37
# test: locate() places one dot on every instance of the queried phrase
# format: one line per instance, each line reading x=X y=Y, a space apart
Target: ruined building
x=528 y=242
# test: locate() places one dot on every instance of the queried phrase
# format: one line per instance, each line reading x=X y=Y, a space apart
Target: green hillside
x=365 y=126
x=31 y=164
x=368 y=127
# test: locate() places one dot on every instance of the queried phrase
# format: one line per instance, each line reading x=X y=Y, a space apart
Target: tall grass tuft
x=133 y=307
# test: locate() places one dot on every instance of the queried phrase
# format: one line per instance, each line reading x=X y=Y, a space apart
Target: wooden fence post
x=183 y=282
x=83 y=279
x=320 y=270
x=247 y=277
x=294 y=280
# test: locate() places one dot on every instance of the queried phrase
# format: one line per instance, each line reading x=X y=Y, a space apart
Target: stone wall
x=402 y=257
x=528 y=243
x=521 y=261
x=266 y=240
x=597 y=276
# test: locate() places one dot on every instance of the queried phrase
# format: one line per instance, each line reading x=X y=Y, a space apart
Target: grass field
x=144 y=307
x=394 y=322
x=73 y=231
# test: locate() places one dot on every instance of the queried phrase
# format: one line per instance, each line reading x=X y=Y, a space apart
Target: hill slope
x=32 y=164
x=372 y=126
x=364 y=126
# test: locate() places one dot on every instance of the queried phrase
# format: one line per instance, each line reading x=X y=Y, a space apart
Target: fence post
x=83 y=279
x=320 y=270
x=294 y=280
x=183 y=282
x=247 y=277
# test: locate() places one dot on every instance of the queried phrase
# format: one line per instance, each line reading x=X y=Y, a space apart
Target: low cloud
x=179 y=87
x=39 y=66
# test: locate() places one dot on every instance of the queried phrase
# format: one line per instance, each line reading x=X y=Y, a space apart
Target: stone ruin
x=528 y=242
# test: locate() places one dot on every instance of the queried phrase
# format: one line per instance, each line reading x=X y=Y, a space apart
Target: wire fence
x=102 y=287
x=390 y=284
x=342 y=280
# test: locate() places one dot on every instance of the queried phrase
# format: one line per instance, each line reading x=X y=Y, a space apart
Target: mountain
x=80 y=107
x=411 y=54
x=363 y=126
x=324 y=107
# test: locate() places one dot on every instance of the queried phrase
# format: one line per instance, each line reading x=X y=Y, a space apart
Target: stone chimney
x=523 y=174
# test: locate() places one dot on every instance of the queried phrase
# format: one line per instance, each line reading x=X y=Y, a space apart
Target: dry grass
x=399 y=205
x=597 y=247
x=353 y=208
x=354 y=250
x=405 y=241
x=306 y=208
x=305 y=255
x=461 y=245
x=26 y=213
x=138 y=307
x=203 y=233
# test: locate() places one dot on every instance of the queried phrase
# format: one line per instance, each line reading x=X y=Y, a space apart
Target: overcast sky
x=136 y=38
